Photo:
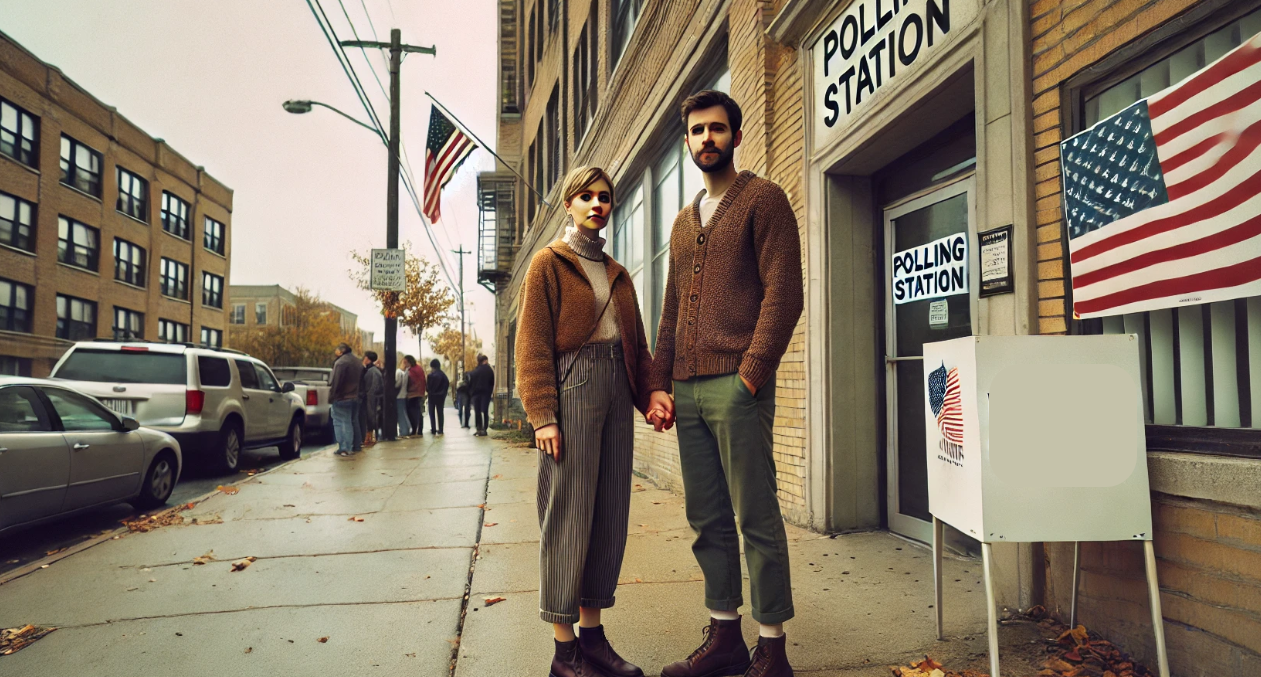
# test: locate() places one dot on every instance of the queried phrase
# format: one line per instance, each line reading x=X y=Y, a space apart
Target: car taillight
x=194 y=400
x=312 y=398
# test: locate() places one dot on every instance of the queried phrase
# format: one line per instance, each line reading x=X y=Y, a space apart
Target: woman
x=401 y=383
x=462 y=400
x=582 y=365
x=415 y=395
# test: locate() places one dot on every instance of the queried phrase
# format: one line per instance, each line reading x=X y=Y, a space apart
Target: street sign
x=388 y=271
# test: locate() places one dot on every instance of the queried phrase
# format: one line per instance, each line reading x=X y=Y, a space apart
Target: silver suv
x=213 y=401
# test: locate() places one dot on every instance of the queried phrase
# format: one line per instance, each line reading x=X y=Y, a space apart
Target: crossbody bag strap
x=593 y=331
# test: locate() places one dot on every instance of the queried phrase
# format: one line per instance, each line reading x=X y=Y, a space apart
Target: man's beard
x=724 y=158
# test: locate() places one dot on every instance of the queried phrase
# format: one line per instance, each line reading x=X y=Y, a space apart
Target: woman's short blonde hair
x=581 y=178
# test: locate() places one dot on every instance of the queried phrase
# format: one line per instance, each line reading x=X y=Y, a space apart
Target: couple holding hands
x=732 y=299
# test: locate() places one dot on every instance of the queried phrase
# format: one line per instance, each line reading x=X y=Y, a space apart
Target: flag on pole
x=445 y=149
x=1163 y=200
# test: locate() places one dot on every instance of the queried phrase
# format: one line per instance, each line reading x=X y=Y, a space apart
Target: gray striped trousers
x=584 y=500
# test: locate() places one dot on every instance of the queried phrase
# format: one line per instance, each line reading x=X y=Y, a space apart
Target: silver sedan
x=63 y=452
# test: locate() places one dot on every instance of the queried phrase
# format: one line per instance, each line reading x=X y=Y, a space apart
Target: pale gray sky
x=209 y=78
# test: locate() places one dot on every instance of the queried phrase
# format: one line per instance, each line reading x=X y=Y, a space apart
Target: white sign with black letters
x=388 y=270
x=938 y=268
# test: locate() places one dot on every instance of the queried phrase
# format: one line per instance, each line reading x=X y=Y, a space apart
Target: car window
x=266 y=379
x=77 y=412
x=21 y=411
x=124 y=366
x=249 y=378
x=214 y=371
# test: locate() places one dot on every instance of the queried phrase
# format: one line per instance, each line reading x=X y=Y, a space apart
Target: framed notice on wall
x=995 y=250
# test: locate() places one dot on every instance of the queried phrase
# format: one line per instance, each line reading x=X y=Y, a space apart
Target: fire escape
x=496 y=227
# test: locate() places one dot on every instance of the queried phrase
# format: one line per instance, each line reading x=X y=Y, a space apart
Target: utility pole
x=461 y=254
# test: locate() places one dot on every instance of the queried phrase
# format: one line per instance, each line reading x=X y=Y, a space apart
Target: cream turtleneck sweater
x=591 y=253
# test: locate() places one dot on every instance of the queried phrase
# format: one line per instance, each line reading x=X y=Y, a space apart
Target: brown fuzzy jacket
x=557 y=315
x=734 y=293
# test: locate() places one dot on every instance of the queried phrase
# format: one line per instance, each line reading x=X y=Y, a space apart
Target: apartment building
x=105 y=232
x=251 y=305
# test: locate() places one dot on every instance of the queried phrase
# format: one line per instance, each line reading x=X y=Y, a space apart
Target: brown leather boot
x=723 y=653
x=596 y=649
x=769 y=658
x=569 y=662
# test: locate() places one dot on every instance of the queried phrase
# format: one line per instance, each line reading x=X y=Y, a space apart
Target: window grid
x=172 y=332
x=80 y=166
x=19 y=133
x=128 y=324
x=129 y=262
x=555 y=139
x=174 y=279
x=213 y=239
x=78 y=244
x=17 y=222
x=174 y=215
x=238 y=314
x=133 y=195
x=211 y=337
x=553 y=14
x=260 y=313
x=76 y=318
x=211 y=290
x=15 y=306
x=625 y=15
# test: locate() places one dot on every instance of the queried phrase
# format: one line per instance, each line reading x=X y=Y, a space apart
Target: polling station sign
x=938 y=268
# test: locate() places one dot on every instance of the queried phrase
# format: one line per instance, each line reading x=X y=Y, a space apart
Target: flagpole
x=463 y=126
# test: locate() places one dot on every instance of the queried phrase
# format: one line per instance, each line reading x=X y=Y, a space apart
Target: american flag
x=1163 y=200
x=947 y=402
x=445 y=149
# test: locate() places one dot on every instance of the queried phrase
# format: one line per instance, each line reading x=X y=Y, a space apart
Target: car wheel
x=159 y=482
x=230 y=448
x=292 y=446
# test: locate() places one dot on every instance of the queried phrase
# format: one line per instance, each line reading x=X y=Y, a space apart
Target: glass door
x=928 y=298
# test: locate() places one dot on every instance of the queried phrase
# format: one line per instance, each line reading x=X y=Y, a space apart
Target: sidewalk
x=331 y=595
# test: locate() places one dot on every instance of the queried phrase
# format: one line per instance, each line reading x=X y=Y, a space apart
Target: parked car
x=215 y=402
x=62 y=452
x=311 y=386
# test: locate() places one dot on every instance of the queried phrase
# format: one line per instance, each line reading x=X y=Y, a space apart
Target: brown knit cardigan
x=735 y=292
x=557 y=313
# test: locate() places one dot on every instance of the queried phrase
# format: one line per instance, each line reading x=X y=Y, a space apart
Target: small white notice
x=388 y=271
x=938 y=268
x=939 y=313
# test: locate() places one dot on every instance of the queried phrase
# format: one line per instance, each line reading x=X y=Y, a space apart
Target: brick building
x=254 y=305
x=893 y=125
x=105 y=232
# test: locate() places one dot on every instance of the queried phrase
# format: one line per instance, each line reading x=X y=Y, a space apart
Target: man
x=371 y=387
x=481 y=387
x=436 y=387
x=732 y=300
x=343 y=387
x=462 y=405
x=415 y=395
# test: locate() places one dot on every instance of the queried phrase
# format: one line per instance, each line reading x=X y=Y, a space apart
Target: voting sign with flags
x=445 y=148
x=1162 y=201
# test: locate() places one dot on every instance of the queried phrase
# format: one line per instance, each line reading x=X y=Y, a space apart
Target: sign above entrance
x=933 y=270
x=871 y=44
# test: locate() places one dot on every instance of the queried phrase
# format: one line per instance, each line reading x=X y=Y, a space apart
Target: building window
x=581 y=79
x=15 y=366
x=174 y=215
x=174 y=279
x=1199 y=363
x=129 y=262
x=80 y=166
x=530 y=57
x=77 y=244
x=238 y=314
x=628 y=239
x=625 y=14
x=260 y=313
x=553 y=14
x=172 y=332
x=133 y=195
x=16 y=300
x=538 y=34
x=214 y=236
x=76 y=318
x=17 y=222
x=211 y=337
x=19 y=134
x=535 y=173
x=128 y=324
x=508 y=56
x=211 y=290
x=555 y=139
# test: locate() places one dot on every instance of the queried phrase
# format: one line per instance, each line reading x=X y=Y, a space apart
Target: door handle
x=81 y=446
x=245 y=397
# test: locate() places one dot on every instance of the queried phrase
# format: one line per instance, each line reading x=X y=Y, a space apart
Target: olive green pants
x=725 y=443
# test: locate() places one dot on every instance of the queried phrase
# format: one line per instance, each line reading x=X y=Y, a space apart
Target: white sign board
x=388 y=272
x=939 y=313
x=933 y=270
x=872 y=44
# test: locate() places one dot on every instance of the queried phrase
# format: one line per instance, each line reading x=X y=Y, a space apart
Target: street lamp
x=389 y=422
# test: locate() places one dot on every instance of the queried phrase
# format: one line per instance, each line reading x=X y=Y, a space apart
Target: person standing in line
x=732 y=300
x=582 y=370
x=436 y=387
x=343 y=387
x=415 y=396
x=481 y=387
x=371 y=387
x=462 y=400
x=400 y=384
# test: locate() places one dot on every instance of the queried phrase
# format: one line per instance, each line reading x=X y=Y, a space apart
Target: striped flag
x=946 y=401
x=445 y=149
x=1163 y=200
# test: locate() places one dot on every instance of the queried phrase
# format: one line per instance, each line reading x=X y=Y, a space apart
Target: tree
x=446 y=342
x=306 y=336
x=425 y=303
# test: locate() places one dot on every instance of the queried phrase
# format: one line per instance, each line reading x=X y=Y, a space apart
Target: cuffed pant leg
x=612 y=497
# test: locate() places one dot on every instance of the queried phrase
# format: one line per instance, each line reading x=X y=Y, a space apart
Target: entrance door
x=928 y=299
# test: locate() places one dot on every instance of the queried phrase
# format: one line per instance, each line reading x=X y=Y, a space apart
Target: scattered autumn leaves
x=13 y=640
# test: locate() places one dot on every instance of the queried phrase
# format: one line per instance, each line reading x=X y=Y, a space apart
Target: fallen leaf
x=249 y=649
x=322 y=640
x=228 y=490
x=639 y=580
x=490 y=601
x=209 y=556
x=496 y=477
x=240 y=565
x=189 y=505
x=638 y=487
x=490 y=524
x=356 y=518
x=54 y=552
x=13 y=640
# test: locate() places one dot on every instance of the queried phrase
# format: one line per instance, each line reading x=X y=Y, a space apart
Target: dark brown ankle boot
x=596 y=649
x=723 y=653
x=569 y=662
x=769 y=658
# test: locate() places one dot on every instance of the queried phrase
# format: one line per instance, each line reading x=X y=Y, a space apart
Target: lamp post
x=389 y=422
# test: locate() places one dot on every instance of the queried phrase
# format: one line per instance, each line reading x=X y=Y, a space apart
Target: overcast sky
x=209 y=78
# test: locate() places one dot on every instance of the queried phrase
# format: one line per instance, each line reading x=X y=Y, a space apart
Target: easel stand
x=987 y=556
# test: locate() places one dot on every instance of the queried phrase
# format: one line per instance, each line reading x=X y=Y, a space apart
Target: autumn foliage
x=311 y=331
x=425 y=303
x=446 y=342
